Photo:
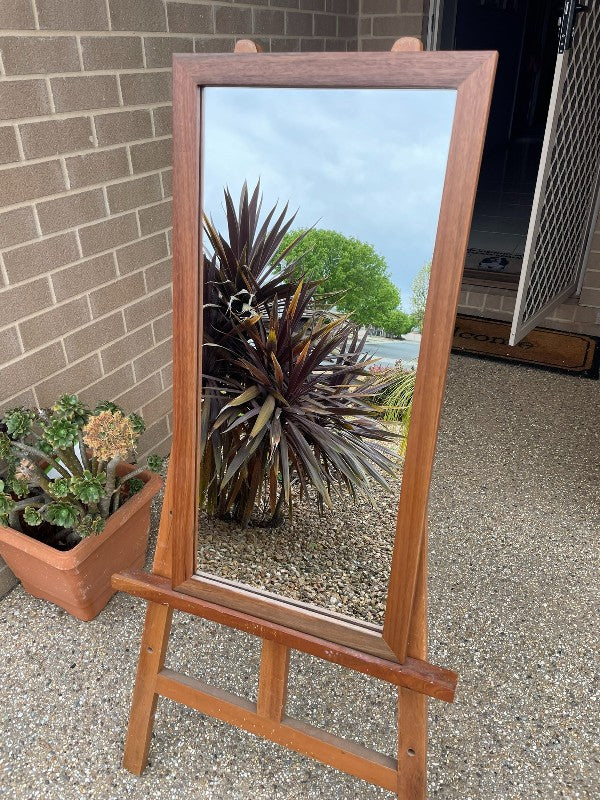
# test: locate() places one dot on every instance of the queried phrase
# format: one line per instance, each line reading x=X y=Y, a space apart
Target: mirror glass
x=321 y=209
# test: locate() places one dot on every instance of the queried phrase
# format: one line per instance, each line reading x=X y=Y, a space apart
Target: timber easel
x=397 y=652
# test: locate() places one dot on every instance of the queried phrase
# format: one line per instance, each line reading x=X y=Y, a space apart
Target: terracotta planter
x=79 y=580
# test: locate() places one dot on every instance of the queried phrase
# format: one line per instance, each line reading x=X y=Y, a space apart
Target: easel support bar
x=349 y=757
x=273 y=680
x=414 y=674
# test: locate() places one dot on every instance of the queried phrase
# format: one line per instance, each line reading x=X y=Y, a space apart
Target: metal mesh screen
x=573 y=168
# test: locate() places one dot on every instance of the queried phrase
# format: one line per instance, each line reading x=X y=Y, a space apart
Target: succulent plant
x=18 y=422
x=61 y=465
x=32 y=516
x=286 y=387
x=6 y=501
x=61 y=433
x=62 y=513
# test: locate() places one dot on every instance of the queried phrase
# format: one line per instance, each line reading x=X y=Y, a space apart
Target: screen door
x=564 y=200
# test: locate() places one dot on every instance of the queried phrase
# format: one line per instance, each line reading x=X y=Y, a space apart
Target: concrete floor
x=514 y=605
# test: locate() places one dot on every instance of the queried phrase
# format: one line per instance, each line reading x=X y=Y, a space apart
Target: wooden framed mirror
x=205 y=87
x=396 y=651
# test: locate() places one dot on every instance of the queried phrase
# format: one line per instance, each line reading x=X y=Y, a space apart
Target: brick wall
x=384 y=21
x=85 y=153
x=85 y=185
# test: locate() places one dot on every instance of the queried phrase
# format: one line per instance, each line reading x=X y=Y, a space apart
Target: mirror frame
x=471 y=74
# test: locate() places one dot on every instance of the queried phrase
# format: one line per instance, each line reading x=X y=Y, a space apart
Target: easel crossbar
x=414 y=674
x=347 y=756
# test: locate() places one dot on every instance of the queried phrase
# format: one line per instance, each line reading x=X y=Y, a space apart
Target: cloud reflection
x=366 y=163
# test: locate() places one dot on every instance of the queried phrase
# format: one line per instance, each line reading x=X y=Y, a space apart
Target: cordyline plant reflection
x=286 y=387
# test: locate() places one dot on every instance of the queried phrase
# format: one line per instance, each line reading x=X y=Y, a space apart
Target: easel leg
x=155 y=639
x=412 y=745
x=412 y=707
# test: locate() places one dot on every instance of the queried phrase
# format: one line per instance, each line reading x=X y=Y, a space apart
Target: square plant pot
x=78 y=580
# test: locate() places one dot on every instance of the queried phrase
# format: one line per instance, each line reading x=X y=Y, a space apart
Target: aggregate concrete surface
x=514 y=606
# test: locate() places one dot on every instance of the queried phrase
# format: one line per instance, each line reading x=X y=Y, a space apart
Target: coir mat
x=574 y=353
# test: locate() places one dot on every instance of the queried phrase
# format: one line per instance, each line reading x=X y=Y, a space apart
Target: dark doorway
x=525 y=33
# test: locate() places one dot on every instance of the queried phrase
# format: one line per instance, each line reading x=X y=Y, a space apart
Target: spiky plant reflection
x=286 y=385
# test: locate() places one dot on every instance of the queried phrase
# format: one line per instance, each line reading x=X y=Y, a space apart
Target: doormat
x=574 y=353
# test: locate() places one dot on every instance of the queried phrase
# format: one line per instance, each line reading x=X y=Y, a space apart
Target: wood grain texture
x=307 y=739
x=180 y=516
x=413 y=673
x=412 y=707
x=302 y=617
x=273 y=680
x=219 y=582
x=458 y=198
x=155 y=639
x=430 y=70
x=400 y=659
x=247 y=46
x=407 y=44
x=472 y=74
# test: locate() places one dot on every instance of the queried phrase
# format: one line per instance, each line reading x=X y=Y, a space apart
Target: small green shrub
x=394 y=401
